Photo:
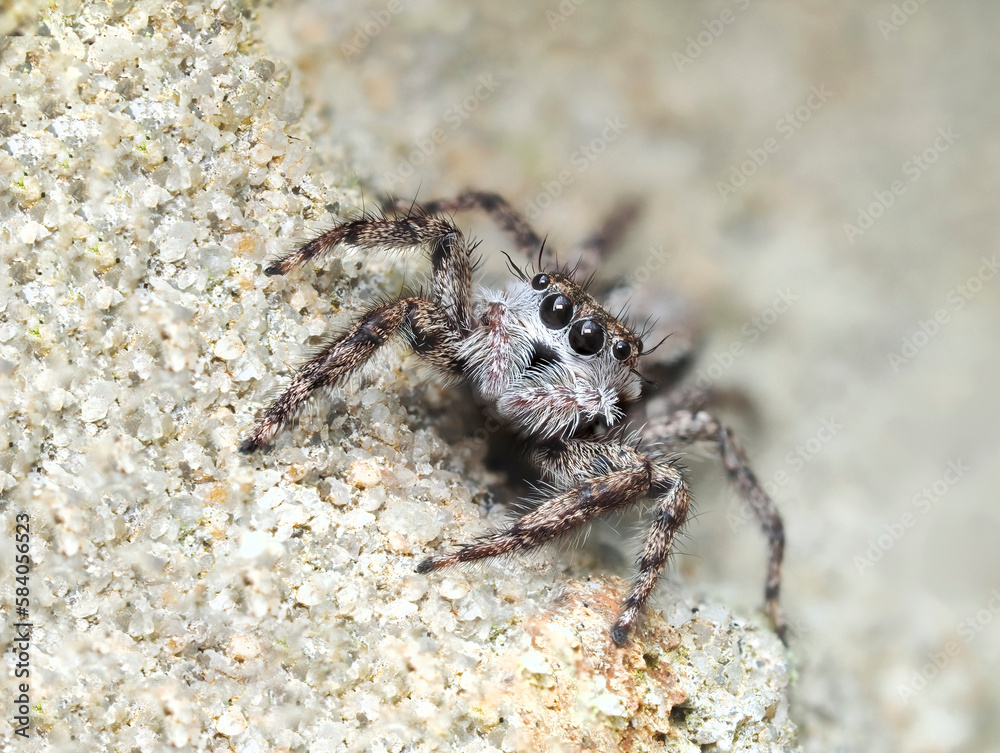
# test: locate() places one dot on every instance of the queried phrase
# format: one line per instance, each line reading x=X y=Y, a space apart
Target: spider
x=556 y=367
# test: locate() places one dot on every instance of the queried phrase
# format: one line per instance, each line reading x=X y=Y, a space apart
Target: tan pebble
x=365 y=473
x=231 y=723
x=243 y=647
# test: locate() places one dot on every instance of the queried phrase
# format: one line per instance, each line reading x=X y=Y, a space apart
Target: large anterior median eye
x=586 y=337
x=556 y=311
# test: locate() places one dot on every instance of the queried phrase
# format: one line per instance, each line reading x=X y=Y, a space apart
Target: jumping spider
x=556 y=367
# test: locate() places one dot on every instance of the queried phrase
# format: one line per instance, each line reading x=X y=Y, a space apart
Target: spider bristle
x=477 y=260
x=648 y=325
x=516 y=270
x=414 y=204
x=647 y=351
x=621 y=312
x=541 y=250
x=641 y=377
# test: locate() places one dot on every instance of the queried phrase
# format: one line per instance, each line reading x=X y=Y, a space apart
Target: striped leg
x=556 y=516
x=425 y=326
x=504 y=215
x=450 y=255
x=683 y=428
x=673 y=499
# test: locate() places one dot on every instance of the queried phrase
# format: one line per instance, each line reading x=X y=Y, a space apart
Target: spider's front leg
x=424 y=323
x=434 y=326
x=602 y=477
x=684 y=427
x=673 y=500
x=612 y=488
x=590 y=253
x=451 y=281
x=504 y=215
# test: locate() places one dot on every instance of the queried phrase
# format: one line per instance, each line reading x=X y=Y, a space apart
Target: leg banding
x=342 y=357
x=673 y=500
x=508 y=219
x=683 y=428
x=555 y=517
x=735 y=462
x=368 y=233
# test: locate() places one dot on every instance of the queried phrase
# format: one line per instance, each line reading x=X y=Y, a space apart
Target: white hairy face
x=551 y=358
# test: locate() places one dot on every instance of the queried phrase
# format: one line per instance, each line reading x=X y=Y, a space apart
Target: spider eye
x=621 y=350
x=556 y=311
x=540 y=282
x=586 y=337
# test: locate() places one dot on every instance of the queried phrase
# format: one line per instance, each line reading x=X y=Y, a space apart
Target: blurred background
x=819 y=183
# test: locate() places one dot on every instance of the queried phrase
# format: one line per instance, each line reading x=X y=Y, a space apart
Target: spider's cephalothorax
x=555 y=366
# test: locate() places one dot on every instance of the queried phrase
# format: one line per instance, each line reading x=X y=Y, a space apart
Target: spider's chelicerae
x=552 y=363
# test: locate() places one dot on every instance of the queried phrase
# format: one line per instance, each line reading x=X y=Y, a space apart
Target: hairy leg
x=624 y=476
x=427 y=331
x=684 y=427
x=589 y=253
x=618 y=477
x=450 y=255
x=673 y=500
x=504 y=215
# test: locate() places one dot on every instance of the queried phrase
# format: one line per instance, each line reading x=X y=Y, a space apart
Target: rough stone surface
x=153 y=154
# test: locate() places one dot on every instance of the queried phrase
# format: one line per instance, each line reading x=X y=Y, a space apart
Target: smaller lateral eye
x=621 y=350
x=586 y=337
x=540 y=282
x=556 y=311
